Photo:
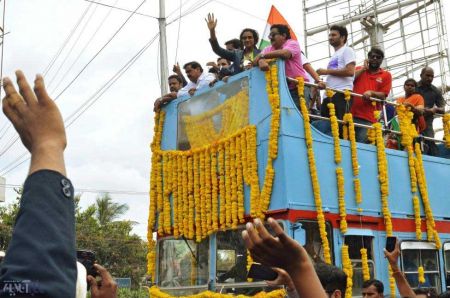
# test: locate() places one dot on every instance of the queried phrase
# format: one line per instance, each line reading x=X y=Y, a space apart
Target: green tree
x=117 y=248
x=8 y=215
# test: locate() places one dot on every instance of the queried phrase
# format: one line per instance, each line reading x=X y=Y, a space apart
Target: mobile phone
x=261 y=272
x=87 y=258
x=390 y=243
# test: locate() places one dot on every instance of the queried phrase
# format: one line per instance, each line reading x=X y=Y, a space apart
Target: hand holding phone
x=87 y=258
x=390 y=243
x=261 y=272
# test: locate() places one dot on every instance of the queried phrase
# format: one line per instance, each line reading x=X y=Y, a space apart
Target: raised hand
x=38 y=121
x=211 y=22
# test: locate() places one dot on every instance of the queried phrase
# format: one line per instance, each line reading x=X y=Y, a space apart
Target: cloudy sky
x=108 y=146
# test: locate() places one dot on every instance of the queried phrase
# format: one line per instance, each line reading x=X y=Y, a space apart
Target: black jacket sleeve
x=41 y=258
x=221 y=52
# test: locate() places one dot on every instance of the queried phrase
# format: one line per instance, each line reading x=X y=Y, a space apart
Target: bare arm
x=347 y=71
x=283 y=252
x=402 y=284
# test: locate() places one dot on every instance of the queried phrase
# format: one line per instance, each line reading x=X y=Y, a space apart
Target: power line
x=7 y=147
x=72 y=47
x=85 y=46
x=101 y=49
x=91 y=190
x=123 y=9
x=52 y=61
x=91 y=100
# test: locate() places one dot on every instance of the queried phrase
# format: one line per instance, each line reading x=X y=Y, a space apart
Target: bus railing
x=382 y=102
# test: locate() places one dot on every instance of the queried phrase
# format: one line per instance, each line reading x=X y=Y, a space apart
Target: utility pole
x=163 y=47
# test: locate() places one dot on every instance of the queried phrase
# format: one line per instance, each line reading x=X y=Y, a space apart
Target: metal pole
x=163 y=47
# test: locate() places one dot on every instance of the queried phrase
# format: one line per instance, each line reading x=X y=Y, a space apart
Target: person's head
x=222 y=62
x=193 y=70
x=278 y=35
x=337 y=36
x=175 y=83
x=372 y=288
x=425 y=293
x=333 y=279
x=375 y=57
x=427 y=75
x=233 y=44
x=249 y=38
x=410 y=86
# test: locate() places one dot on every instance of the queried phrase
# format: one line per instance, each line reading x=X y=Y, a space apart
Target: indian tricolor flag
x=275 y=17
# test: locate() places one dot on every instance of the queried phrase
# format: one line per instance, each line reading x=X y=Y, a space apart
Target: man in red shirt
x=371 y=81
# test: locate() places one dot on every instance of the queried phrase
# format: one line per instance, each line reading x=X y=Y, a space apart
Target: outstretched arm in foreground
x=402 y=284
x=283 y=252
x=41 y=256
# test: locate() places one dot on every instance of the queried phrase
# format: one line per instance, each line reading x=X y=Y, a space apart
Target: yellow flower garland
x=155 y=292
x=348 y=270
x=421 y=179
x=417 y=219
x=421 y=275
x=391 y=282
x=335 y=133
x=249 y=264
x=341 y=199
x=365 y=264
x=314 y=177
x=446 y=126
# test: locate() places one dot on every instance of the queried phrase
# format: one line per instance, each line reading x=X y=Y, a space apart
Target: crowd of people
x=369 y=80
x=302 y=278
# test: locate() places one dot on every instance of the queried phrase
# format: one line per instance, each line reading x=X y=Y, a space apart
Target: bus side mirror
x=299 y=233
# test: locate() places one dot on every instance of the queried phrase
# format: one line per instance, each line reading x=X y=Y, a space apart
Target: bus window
x=183 y=263
x=415 y=254
x=447 y=264
x=313 y=243
x=231 y=264
x=213 y=115
x=355 y=243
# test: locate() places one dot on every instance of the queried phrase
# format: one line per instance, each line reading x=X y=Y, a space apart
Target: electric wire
x=15 y=139
x=90 y=190
x=88 y=103
x=123 y=9
x=85 y=46
x=178 y=34
x=80 y=33
x=99 y=51
x=69 y=36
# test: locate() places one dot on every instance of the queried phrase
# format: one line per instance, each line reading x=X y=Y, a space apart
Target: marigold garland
x=348 y=270
x=421 y=179
x=446 y=126
x=335 y=133
x=417 y=219
x=349 y=129
x=341 y=199
x=365 y=264
x=249 y=264
x=314 y=178
x=421 y=275
x=391 y=282
x=157 y=293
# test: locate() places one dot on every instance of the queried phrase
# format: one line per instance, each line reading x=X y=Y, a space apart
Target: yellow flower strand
x=214 y=191
x=341 y=199
x=383 y=178
x=391 y=282
x=446 y=126
x=335 y=134
x=221 y=165
x=249 y=264
x=155 y=292
x=239 y=181
x=208 y=197
x=191 y=198
x=417 y=219
x=421 y=275
x=421 y=179
x=348 y=270
x=197 y=197
x=365 y=264
x=314 y=178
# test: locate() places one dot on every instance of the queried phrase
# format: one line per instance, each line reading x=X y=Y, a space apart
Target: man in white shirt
x=197 y=78
x=340 y=71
